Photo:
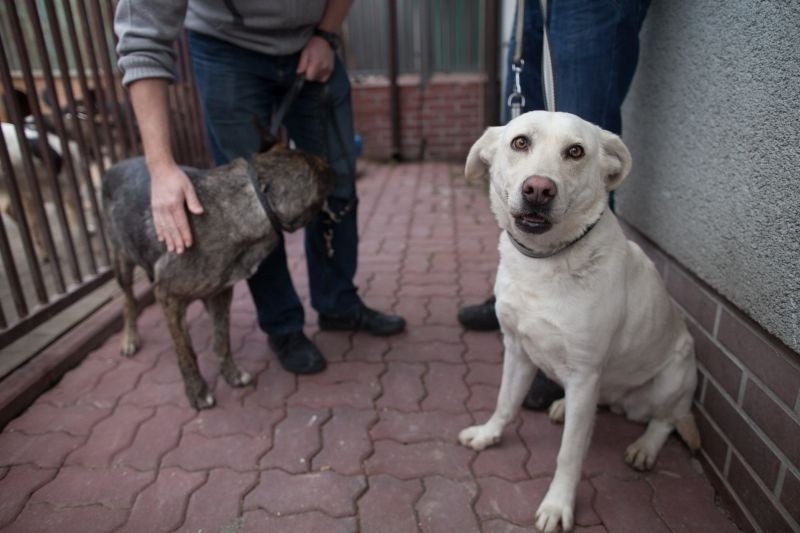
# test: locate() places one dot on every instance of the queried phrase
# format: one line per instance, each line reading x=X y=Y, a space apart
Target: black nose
x=539 y=191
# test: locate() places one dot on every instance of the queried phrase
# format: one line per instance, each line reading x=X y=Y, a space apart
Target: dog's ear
x=616 y=159
x=481 y=154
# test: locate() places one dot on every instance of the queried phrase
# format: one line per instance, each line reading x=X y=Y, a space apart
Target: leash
x=286 y=103
x=516 y=100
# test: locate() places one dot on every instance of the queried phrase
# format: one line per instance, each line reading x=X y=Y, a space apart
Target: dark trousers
x=235 y=85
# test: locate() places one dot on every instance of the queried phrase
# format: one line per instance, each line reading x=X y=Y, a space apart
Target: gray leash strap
x=516 y=100
x=548 y=82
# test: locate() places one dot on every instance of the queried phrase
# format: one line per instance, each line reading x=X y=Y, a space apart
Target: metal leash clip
x=516 y=100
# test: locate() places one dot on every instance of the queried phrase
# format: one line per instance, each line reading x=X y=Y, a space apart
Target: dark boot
x=297 y=354
x=363 y=319
x=480 y=317
x=542 y=393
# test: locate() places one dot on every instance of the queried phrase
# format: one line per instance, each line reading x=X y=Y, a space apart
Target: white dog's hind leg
x=518 y=373
x=580 y=408
x=642 y=454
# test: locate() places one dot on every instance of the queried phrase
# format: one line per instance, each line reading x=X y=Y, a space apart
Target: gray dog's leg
x=219 y=307
x=123 y=270
x=196 y=390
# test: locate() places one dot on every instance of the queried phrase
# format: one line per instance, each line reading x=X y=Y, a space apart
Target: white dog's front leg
x=559 y=502
x=517 y=377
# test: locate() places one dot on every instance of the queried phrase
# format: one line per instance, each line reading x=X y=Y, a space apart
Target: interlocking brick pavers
x=369 y=446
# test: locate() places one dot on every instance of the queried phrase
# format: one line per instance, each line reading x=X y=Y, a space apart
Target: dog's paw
x=641 y=455
x=478 y=437
x=551 y=513
x=234 y=376
x=129 y=345
x=556 y=411
x=204 y=400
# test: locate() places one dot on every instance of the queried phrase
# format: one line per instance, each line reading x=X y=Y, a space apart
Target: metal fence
x=433 y=36
x=66 y=119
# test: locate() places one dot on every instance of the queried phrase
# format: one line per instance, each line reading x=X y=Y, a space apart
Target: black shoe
x=542 y=393
x=297 y=354
x=480 y=317
x=363 y=319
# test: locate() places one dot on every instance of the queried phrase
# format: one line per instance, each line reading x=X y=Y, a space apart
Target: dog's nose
x=539 y=190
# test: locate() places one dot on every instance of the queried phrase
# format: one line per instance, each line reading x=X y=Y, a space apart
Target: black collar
x=524 y=250
x=262 y=198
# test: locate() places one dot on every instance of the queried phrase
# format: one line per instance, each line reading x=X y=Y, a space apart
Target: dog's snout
x=539 y=190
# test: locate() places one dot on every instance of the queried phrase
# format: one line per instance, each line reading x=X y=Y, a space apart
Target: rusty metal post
x=394 y=89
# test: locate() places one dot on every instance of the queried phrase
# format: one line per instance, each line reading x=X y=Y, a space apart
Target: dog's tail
x=687 y=429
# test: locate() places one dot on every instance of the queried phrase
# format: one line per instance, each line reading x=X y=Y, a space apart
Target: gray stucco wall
x=713 y=123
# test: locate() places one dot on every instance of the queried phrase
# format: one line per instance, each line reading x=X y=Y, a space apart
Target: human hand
x=316 y=60
x=170 y=188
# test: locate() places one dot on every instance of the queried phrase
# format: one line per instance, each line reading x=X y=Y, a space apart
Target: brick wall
x=747 y=403
x=439 y=122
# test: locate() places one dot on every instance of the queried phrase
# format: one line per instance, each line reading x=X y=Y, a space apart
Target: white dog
x=577 y=299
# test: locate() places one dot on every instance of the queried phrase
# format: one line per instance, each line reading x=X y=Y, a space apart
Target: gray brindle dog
x=246 y=205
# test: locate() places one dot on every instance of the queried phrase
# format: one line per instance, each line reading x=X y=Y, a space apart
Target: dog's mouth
x=533 y=222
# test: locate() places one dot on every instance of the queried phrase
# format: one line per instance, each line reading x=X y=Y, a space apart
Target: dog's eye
x=575 y=151
x=520 y=143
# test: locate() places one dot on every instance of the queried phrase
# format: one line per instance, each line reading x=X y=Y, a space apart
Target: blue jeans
x=235 y=85
x=594 y=48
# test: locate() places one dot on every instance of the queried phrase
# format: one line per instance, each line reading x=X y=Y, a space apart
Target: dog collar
x=262 y=198
x=524 y=250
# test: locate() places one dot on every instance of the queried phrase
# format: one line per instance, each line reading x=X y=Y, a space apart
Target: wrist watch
x=332 y=39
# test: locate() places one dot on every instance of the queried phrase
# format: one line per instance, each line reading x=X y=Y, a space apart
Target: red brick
x=790 y=495
x=741 y=434
x=501 y=526
x=388 y=505
x=449 y=290
x=716 y=362
x=151 y=393
x=296 y=439
x=281 y=493
x=273 y=387
x=612 y=435
x=221 y=421
x=515 y=502
x=110 y=436
x=713 y=445
x=215 y=506
x=767 y=362
x=779 y=425
x=345 y=441
x=347 y=372
x=482 y=398
x=446 y=506
x=413 y=310
x=418 y=427
x=402 y=387
x=483 y=347
x=484 y=373
x=446 y=390
x=689 y=294
x=506 y=459
x=309 y=522
x=443 y=311
x=76 y=486
x=237 y=452
x=46 y=518
x=114 y=384
x=162 y=505
x=17 y=486
x=624 y=505
x=367 y=348
x=44 y=417
x=755 y=498
x=78 y=381
x=424 y=352
x=408 y=461
x=155 y=437
x=45 y=451
x=332 y=344
x=315 y=395
x=688 y=505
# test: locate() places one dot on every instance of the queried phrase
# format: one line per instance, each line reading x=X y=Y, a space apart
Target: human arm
x=317 y=57
x=147 y=30
x=170 y=188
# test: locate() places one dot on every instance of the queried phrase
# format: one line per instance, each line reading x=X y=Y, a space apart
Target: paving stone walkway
x=369 y=445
